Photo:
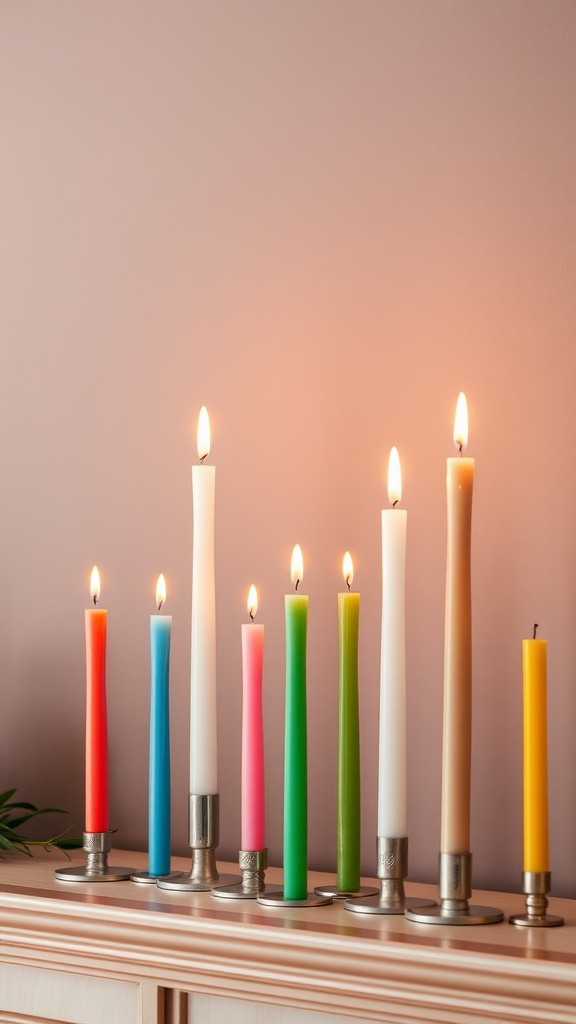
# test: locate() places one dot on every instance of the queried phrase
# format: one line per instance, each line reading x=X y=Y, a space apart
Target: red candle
x=96 y=723
x=252 y=731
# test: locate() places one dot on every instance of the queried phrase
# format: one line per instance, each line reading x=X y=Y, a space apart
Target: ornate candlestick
x=455 y=891
x=392 y=869
x=536 y=885
x=97 y=846
x=204 y=838
x=253 y=864
x=455 y=858
x=536 y=876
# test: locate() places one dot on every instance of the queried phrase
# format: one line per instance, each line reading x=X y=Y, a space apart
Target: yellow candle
x=457 y=728
x=534 y=657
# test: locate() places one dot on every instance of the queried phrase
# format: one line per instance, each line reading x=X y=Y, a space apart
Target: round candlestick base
x=97 y=846
x=392 y=868
x=180 y=882
x=146 y=878
x=455 y=891
x=203 y=822
x=536 y=885
x=253 y=864
x=84 y=875
x=383 y=905
x=441 y=914
x=276 y=899
x=346 y=894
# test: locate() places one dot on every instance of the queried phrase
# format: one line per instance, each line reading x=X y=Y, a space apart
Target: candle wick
x=202 y=458
x=460 y=447
x=251 y=615
x=535 y=628
x=394 y=503
x=159 y=606
x=348 y=583
x=95 y=600
x=296 y=584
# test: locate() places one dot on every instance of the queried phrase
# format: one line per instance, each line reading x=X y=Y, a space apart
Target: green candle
x=348 y=841
x=295 y=759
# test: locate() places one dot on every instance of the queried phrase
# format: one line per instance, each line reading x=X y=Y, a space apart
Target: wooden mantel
x=125 y=952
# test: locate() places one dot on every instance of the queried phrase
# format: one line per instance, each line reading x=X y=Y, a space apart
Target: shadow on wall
x=43 y=740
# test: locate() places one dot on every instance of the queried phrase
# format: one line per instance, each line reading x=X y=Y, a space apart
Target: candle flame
x=461 y=423
x=203 y=437
x=348 y=569
x=394 y=477
x=297 y=566
x=252 y=603
x=160 y=591
x=95 y=584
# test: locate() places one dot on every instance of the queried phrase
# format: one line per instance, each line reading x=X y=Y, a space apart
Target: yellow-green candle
x=348 y=841
x=295 y=753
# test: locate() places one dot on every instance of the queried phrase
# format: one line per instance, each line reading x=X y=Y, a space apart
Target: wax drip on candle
x=297 y=566
x=535 y=628
x=160 y=592
x=95 y=584
x=348 y=570
x=252 y=603
x=203 y=436
x=461 y=423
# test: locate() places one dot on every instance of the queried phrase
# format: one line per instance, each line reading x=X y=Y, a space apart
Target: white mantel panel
x=70 y=998
x=216 y=1010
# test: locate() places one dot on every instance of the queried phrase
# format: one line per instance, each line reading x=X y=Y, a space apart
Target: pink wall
x=322 y=219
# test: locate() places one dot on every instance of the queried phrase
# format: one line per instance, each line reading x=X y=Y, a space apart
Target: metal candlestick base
x=455 y=891
x=204 y=838
x=276 y=899
x=345 y=894
x=536 y=885
x=146 y=878
x=253 y=864
x=97 y=846
x=392 y=868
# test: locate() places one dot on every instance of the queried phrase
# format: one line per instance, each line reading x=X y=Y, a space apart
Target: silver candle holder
x=204 y=832
x=455 y=890
x=536 y=886
x=392 y=869
x=253 y=864
x=97 y=846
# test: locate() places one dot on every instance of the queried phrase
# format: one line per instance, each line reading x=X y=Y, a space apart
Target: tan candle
x=456 y=746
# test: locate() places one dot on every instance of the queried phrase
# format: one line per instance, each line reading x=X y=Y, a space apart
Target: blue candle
x=159 y=778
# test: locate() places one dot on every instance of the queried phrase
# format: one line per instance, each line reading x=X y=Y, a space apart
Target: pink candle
x=252 y=732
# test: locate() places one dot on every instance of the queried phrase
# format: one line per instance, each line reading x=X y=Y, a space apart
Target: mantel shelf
x=325 y=959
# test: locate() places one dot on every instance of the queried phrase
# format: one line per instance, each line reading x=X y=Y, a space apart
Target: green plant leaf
x=18 y=821
x=69 y=843
x=12 y=818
